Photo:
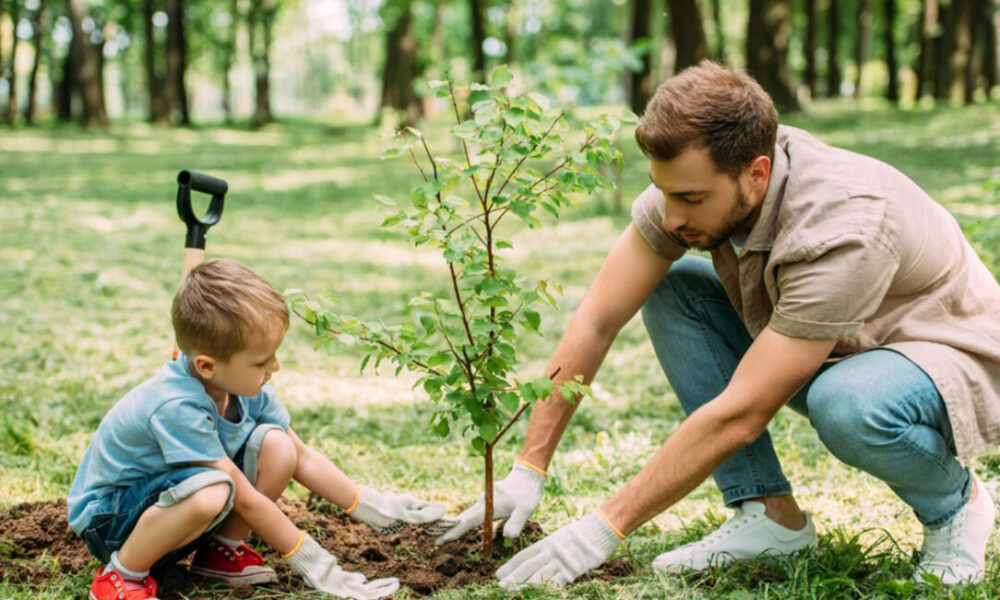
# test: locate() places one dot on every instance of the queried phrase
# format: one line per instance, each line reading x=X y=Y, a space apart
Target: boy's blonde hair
x=221 y=307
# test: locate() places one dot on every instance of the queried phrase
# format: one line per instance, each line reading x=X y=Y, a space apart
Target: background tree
x=719 y=52
x=83 y=61
x=768 y=32
x=401 y=62
x=14 y=7
x=688 y=33
x=862 y=32
x=260 y=25
x=809 y=46
x=175 y=89
x=639 y=82
x=832 y=50
x=928 y=45
x=889 y=41
x=39 y=29
x=955 y=50
x=478 y=29
x=991 y=49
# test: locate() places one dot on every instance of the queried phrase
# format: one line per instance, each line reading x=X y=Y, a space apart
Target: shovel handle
x=197 y=227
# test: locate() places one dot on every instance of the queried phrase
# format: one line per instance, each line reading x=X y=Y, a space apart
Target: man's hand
x=389 y=513
x=514 y=498
x=320 y=570
x=563 y=556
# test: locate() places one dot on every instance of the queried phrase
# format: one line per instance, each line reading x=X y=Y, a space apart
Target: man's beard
x=739 y=216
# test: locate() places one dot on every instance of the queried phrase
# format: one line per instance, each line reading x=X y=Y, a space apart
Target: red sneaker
x=242 y=566
x=111 y=586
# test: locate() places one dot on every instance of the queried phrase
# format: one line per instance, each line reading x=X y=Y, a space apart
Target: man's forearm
x=580 y=352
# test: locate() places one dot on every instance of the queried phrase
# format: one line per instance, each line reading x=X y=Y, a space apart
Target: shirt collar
x=762 y=234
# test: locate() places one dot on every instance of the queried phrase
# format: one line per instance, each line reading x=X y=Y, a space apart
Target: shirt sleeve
x=270 y=409
x=831 y=295
x=186 y=432
x=647 y=216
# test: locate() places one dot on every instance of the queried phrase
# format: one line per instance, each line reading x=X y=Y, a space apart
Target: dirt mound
x=36 y=543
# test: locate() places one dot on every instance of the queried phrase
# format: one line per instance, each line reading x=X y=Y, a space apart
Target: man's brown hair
x=221 y=307
x=711 y=106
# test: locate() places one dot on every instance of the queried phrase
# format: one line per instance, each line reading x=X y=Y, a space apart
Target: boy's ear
x=204 y=366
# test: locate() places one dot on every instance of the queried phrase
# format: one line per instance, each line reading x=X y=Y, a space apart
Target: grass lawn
x=90 y=252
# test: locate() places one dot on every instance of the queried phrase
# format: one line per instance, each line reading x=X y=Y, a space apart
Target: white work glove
x=514 y=498
x=563 y=556
x=320 y=570
x=389 y=513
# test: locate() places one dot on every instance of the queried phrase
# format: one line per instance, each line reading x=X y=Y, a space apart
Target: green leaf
x=442 y=428
x=488 y=431
x=510 y=401
x=500 y=76
x=467 y=130
x=479 y=445
x=532 y=320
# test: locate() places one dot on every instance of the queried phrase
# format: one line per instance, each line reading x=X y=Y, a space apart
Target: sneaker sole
x=247 y=579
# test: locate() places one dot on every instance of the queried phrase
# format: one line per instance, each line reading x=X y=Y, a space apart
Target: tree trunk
x=974 y=64
x=925 y=58
x=863 y=30
x=768 y=31
x=15 y=16
x=39 y=26
x=889 y=40
x=2 y=6
x=478 y=37
x=260 y=20
x=688 y=33
x=85 y=66
x=991 y=56
x=159 y=108
x=510 y=34
x=176 y=91
x=954 y=50
x=809 y=47
x=228 y=52
x=401 y=49
x=639 y=84
x=832 y=51
x=720 y=35
x=488 y=502
x=64 y=90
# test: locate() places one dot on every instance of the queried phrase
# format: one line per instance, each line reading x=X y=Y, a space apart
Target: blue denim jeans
x=876 y=411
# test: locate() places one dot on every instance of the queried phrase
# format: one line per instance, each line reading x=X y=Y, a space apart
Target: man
x=835 y=285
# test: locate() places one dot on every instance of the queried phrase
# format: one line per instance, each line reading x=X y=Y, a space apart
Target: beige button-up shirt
x=848 y=248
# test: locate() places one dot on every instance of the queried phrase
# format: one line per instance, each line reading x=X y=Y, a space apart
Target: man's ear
x=204 y=366
x=758 y=174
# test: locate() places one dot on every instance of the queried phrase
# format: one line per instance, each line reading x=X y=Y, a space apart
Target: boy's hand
x=389 y=513
x=320 y=570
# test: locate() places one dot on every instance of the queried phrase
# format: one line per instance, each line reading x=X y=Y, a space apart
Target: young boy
x=194 y=458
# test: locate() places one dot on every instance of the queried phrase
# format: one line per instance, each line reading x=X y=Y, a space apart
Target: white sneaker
x=956 y=553
x=748 y=535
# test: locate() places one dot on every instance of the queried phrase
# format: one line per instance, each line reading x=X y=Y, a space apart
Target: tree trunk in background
x=954 y=50
x=974 y=64
x=991 y=56
x=478 y=37
x=2 y=6
x=832 y=51
x=64 y=90
x=510 y=33
x=159 y=108
x=85 y=66
x=228 y=52
x=925 y=58
x=688 y=33
x=809 y=47
x=768 y=31
x=863 y=31
x=177 y=60
x=401 y=48
x=39 y=26
x=889 y=41
x=639 y=84
x=260 y=20
x=15 y=16
x=720 y=36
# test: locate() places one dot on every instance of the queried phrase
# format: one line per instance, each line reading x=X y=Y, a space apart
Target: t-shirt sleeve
x=647 y=216
x=270 y=409
x=831 y=295
x=186 y=432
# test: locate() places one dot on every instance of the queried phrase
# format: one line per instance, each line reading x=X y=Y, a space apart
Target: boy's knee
x=210 y=500
x=278 y=453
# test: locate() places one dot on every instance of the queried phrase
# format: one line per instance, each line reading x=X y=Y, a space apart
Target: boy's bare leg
x=275 y=464
x=161 y=530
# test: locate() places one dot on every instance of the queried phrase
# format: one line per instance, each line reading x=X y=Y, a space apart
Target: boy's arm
x=260 y=513
x=321 y=476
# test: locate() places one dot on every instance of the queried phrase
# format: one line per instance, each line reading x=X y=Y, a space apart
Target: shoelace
x=939 y=544
x=134 y=584
x=739 y=520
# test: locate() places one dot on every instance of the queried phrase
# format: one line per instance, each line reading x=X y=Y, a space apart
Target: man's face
x=705 y=205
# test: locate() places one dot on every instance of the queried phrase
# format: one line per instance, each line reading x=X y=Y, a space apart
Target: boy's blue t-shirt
x=165 y=422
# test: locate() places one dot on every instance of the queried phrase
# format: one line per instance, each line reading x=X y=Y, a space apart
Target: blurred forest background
x=193 y=62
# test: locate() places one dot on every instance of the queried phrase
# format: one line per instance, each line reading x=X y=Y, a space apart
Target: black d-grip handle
x=197 y=227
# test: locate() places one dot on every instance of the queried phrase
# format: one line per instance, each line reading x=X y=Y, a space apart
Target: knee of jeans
x=277 y=455
x=210 y=500
x=847 y=421
x=678 y=288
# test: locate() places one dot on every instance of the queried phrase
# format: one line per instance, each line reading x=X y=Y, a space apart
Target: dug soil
x=36 y=544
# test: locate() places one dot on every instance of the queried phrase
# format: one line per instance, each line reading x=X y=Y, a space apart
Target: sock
x=132 y=578
x=234 y=544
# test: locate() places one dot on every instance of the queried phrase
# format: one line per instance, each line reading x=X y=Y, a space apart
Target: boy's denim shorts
x=114 y=521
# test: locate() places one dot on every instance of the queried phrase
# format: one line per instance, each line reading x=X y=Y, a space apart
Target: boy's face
x=245 y=372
